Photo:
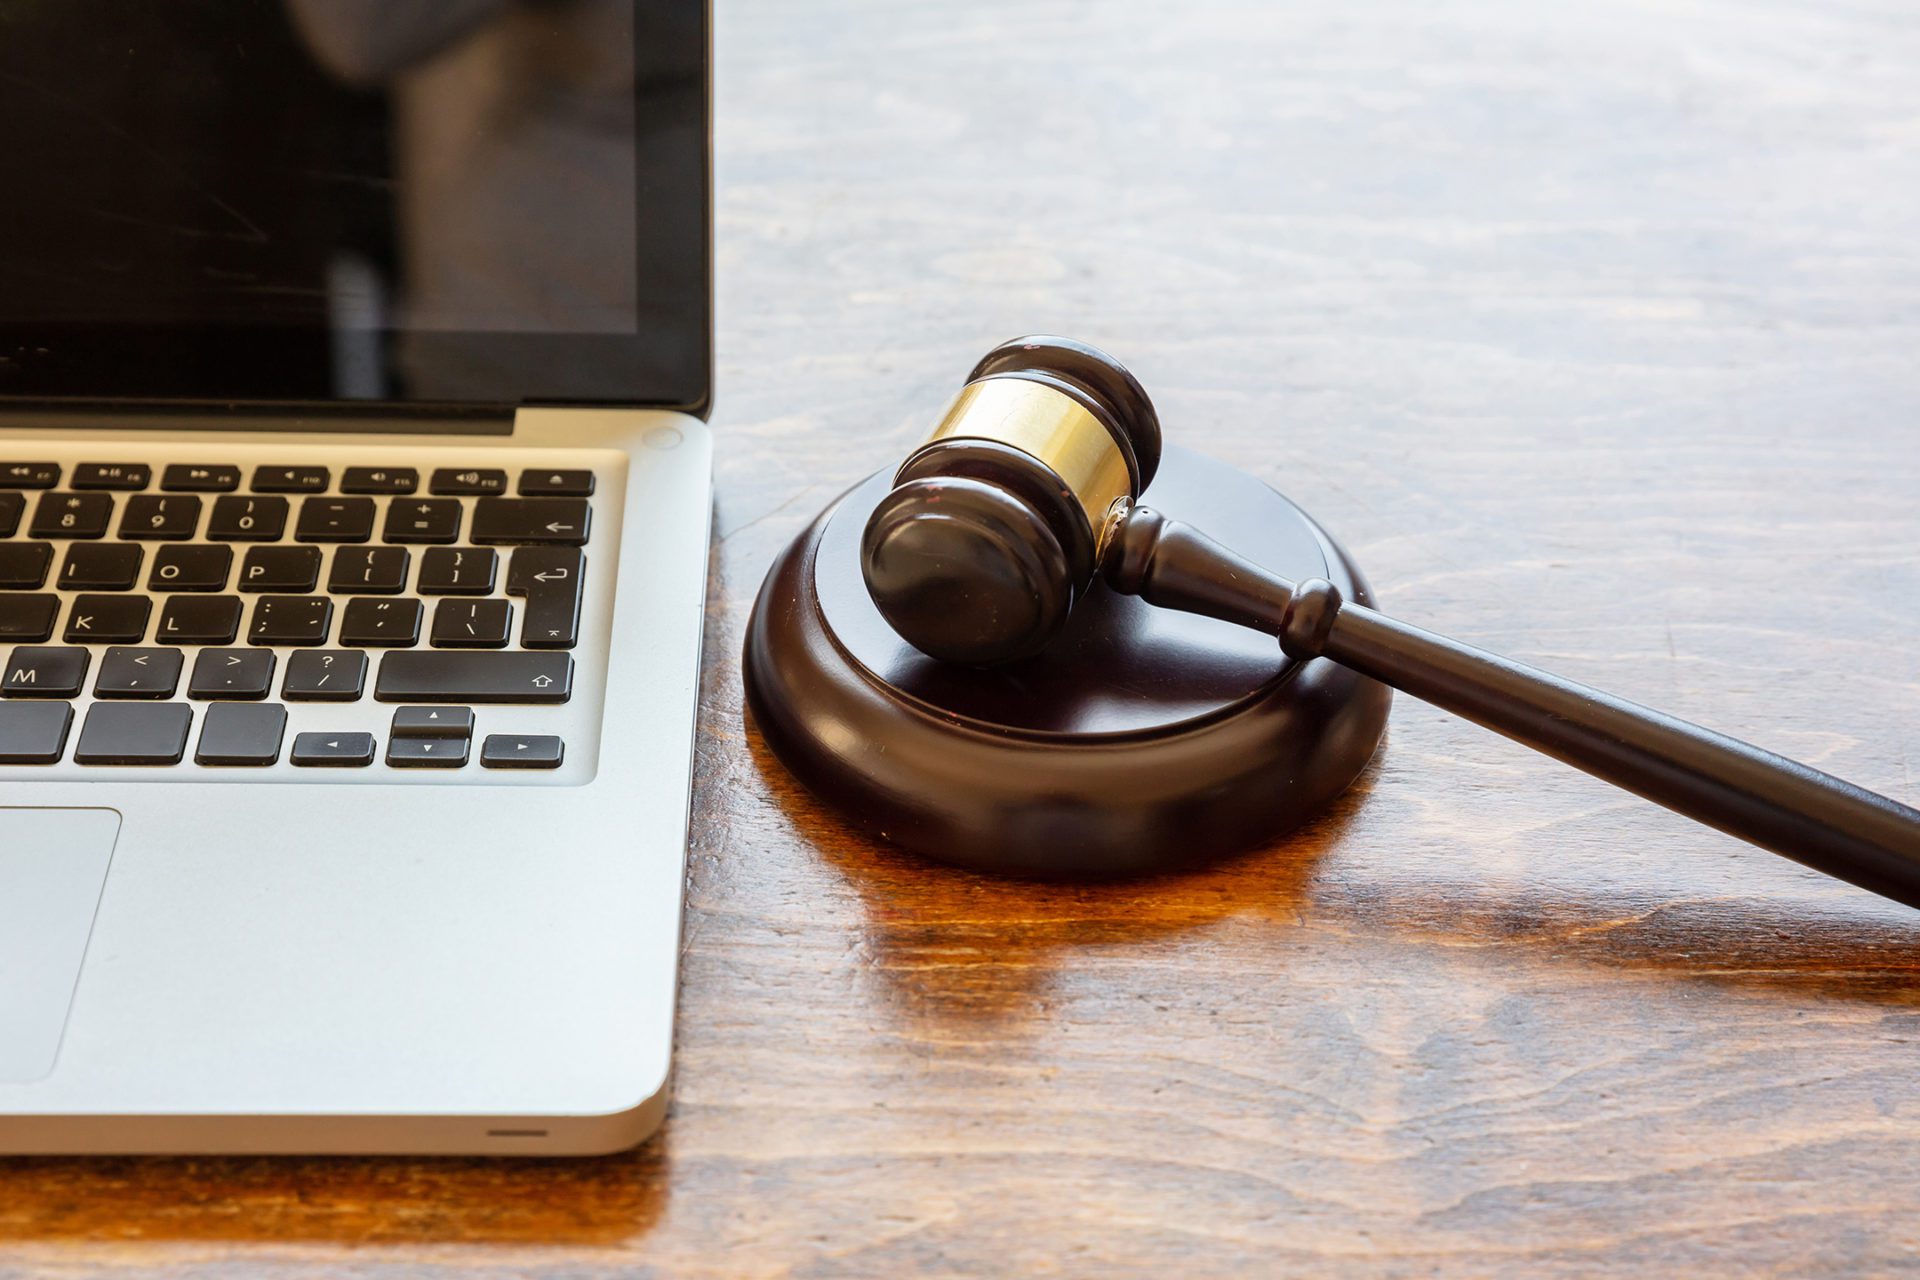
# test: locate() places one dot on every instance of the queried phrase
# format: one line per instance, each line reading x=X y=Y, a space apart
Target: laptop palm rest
x=53 y=865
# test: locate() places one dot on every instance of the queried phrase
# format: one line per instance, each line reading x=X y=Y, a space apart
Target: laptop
x=354 y=501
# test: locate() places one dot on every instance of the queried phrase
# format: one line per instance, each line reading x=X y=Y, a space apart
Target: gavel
x=1027 y=494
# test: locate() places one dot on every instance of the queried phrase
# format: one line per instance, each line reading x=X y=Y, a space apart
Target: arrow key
x=522 y=751
x=332 y=750
x=138 y=673
x=426 y=753
x=432 y=722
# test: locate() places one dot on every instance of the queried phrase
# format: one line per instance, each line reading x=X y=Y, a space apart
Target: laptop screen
x=429 y=201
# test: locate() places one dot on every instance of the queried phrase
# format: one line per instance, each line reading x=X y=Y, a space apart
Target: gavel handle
x=1779 y=804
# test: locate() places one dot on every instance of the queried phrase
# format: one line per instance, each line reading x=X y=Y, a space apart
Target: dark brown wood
x=1141 y=741
x=1778 y=804
x=1551 y=306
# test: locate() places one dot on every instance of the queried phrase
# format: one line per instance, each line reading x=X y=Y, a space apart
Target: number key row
x=86 y=517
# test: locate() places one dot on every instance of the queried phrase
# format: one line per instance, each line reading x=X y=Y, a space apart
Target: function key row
x=36 y=673
x=472 y=482
x=242 y=735
x=88 y=517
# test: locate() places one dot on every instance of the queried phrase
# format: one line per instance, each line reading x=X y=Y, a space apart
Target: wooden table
x=1592 y=329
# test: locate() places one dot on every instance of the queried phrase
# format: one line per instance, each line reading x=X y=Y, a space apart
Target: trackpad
x=53 y=864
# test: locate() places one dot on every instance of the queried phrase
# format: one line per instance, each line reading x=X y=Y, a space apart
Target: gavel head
x=992 y=529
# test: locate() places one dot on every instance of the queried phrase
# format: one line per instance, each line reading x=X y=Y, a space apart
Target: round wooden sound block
x=1141 y=741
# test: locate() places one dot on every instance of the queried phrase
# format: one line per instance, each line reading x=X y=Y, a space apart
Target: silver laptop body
x=354 y=501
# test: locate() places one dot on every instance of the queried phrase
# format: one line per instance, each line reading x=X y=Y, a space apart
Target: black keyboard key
x=335 y=520
x=247 y=519
x=24 y=565
x=426 y=753
x=72 y=515
x=556 y=484
x=244 y=675
x=530 y=521
x=199 y=568
x=192 y=477
x=481 y=677
x=12 y=507
x=241 y=734
x=28 y=619
x=468 y=482
x=134 y=733
x=29 y=475
x=34 y=732
x=369 y=571
x=395 y=480
x=291 y=479
x=549 y=577
x=332 y=750
x=325 y=675
x=108 y=620
x=138 y=673
x=381 y=624
x=129 y=477
x=199 y=620
x=458 y=571
x=432 y=722
x=284 y=569
x=45 y=673
x=161 y=517
x=522 y=751
x=425 y=520
x=472 y=624
x=101 y=566
x=291 y=620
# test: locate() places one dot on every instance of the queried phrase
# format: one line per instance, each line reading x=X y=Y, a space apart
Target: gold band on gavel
x=1049 y=425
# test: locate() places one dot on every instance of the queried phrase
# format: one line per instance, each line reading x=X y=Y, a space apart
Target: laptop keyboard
x=359 y=617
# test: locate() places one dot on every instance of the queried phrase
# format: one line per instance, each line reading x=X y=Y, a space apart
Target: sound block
x=1142 y=741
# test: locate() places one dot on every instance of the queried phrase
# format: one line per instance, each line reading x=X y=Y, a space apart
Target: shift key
x=475 y=676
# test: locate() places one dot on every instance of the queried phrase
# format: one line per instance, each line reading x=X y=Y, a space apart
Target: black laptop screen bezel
x=241 y=370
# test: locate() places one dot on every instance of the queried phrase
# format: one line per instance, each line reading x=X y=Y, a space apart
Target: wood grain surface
x=1592 y=330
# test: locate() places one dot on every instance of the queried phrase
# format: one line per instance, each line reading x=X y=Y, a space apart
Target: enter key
x=549 y=578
